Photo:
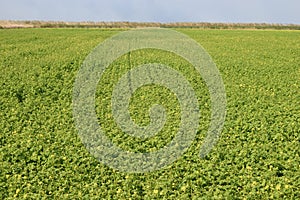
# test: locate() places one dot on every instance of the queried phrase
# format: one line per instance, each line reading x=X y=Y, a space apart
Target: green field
x=257 y=156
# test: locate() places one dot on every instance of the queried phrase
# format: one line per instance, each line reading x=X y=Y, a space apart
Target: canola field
x=257 y=155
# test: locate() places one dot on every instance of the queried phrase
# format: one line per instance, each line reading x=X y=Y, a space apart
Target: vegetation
x=201 y=25
x=257 y=157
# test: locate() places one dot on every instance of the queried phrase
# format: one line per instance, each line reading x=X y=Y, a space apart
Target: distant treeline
x=203 y=25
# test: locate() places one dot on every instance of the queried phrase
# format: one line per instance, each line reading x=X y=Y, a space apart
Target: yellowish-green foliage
x=257 y=156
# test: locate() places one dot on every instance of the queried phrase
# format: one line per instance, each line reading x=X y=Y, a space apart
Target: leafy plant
x=257 y=157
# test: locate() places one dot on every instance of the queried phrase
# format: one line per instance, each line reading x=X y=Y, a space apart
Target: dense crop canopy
x=257 y=156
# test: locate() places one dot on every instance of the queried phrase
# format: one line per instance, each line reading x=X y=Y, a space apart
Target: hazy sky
x=270 y=11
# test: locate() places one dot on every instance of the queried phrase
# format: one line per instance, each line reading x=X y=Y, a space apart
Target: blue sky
x=269 y=11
